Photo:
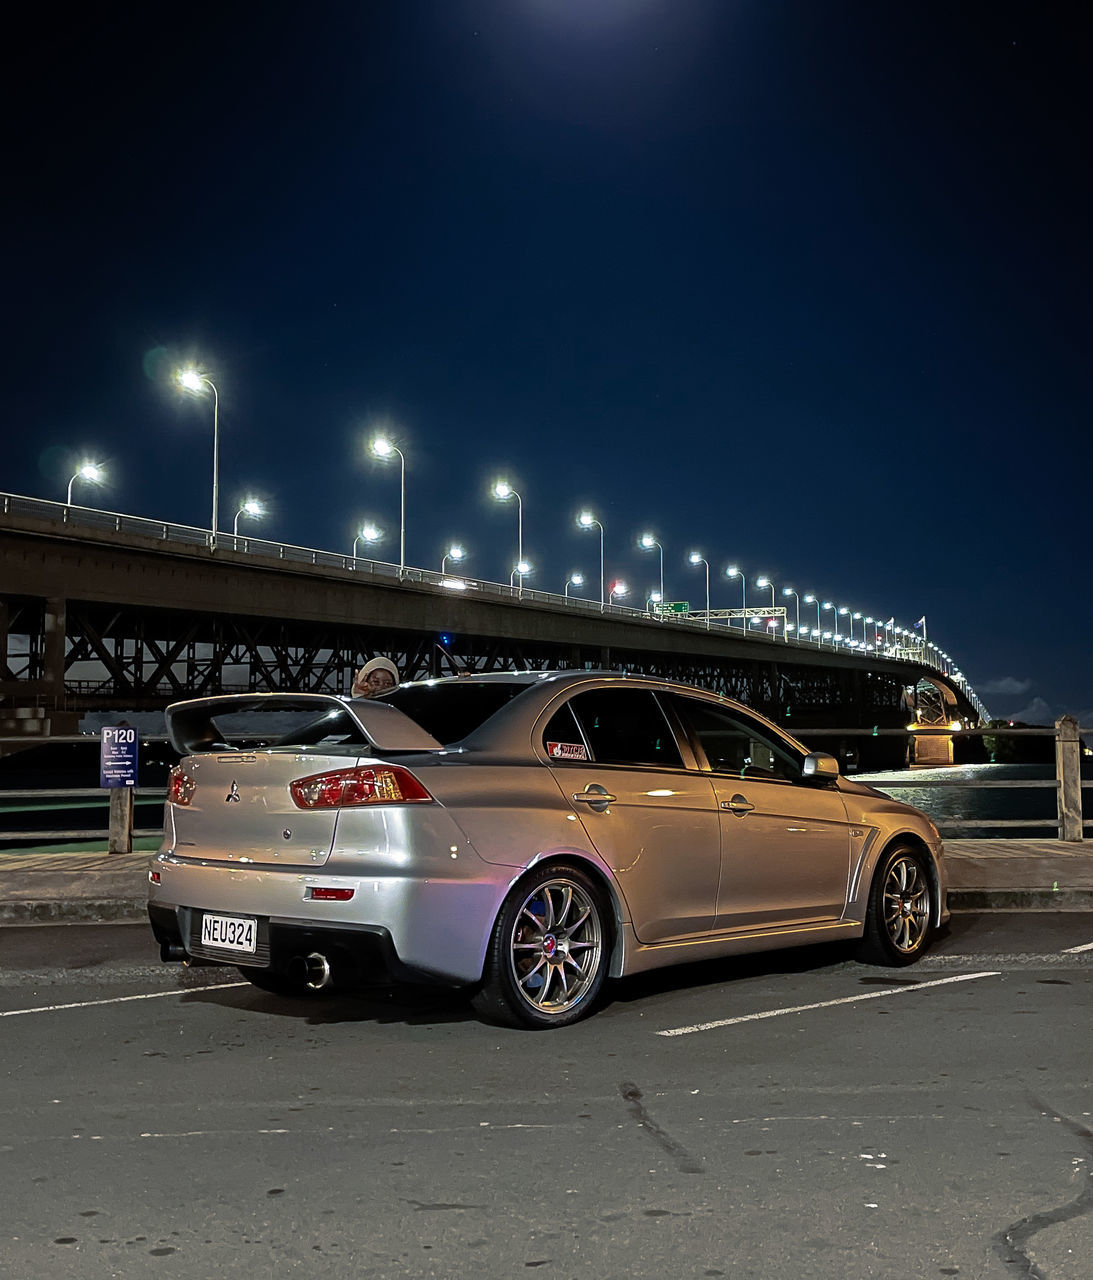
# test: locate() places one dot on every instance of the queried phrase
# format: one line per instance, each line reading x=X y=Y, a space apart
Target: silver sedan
x=526 y=834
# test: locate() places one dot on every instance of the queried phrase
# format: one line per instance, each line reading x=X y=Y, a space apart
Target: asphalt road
x=781 y=1116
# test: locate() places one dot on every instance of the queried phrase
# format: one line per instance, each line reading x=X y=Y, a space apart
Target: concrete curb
x=1021 y=900
x=110 y=911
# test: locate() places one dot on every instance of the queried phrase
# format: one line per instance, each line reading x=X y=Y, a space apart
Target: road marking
x=1072 y=951
x=824 y=1004
x=90 y=1004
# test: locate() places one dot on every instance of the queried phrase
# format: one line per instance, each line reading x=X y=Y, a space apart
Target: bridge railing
x=909 y=648
x=1067 y=784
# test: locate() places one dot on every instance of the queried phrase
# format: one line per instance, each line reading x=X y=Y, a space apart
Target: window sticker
x=566 y=751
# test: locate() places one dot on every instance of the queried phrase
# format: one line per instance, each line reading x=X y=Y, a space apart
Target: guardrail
x=911 y=648
x=121 y=830
x=1067 y=783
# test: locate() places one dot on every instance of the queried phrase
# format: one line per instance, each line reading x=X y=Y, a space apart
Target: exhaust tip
x=317 y=970
x=172 y=952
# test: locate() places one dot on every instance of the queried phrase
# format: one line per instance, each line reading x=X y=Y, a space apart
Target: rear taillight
x=180 y=787
x=346 y=788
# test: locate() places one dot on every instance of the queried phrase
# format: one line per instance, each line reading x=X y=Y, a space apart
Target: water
x=959 y=810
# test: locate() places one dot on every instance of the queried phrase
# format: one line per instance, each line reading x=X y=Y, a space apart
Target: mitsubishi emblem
x=233 y=794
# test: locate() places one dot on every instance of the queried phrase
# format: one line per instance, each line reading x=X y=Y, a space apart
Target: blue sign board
x=118 y=757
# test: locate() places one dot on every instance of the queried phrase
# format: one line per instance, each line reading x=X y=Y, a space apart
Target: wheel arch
x=870 y=865
x=603 y=879
x=916 y=842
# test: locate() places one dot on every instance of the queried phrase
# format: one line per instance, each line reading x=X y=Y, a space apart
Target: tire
x=548 y=952
x=898 y=915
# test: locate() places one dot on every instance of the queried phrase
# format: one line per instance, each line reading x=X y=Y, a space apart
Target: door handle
x=596 y=797
x=738 y=805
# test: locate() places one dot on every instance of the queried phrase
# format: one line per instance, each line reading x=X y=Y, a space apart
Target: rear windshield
x=452 y=711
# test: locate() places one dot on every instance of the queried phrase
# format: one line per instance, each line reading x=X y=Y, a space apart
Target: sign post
x=118 y=773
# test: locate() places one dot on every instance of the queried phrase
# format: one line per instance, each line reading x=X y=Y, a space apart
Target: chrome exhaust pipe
x=317 y=971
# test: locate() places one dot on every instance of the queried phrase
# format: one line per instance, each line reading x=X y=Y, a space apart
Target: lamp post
x=574 y=580
x=655 y=597
x=618 y=589
x=502 y=490
x=811 y=599
x=194 y=382
x=522 y=568
x=368 y=533
x=586 y=520
x=733 y=572
x=766 y=582
x=647 y=542
x=834 y=617
x=383 y=448
x=89 y=471
x=788 y=591
x=696 y=558
x=456 y=553
x=252 y=508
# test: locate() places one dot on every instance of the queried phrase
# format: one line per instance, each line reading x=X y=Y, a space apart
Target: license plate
x=234 y=933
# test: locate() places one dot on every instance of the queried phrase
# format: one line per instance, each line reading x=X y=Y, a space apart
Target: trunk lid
x=241 y=810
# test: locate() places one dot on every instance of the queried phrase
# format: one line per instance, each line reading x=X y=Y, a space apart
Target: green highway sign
x=672 y=606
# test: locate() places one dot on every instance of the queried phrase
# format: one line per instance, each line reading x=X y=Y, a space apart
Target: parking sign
x=118 y=757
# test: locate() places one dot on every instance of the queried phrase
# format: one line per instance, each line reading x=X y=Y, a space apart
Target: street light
x=252 y=508
x=574 y=580
x=89 y=471
x=586 y=520
x=788 y=591
x=733 y=572
x=695 y=558
x=522 y=568
x=647 y=542
x=834 y=616
x=383 y=448
x=618 y=589
x=766 y=582
x=456 y=553
x=368 y=533
x=811 y=599
x=502 y=490
x=194 y=382
x=655 y=597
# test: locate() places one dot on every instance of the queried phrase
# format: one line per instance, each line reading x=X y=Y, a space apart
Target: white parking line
x=90 y=1004
x=824 y=1004
x=1073 y=951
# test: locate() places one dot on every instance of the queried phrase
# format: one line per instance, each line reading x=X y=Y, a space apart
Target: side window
x=562 y=738
x=736 y=744
x=626 y=726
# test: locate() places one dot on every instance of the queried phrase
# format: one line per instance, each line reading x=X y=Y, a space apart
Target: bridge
x=107 y=612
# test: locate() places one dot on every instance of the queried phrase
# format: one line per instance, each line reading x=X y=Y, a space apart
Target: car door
x=785 y=841
x=616 y=760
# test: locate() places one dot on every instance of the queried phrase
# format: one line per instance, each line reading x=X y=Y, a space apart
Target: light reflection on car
x=528 y=835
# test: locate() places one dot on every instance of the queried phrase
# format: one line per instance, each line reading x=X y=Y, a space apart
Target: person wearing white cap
x=376 y=676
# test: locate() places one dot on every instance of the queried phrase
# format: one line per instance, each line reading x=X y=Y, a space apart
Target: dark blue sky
x=804 y=285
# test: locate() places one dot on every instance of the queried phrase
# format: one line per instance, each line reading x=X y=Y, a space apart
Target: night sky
x=803 y=285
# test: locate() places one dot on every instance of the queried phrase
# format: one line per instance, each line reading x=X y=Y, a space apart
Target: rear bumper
x=428 y=928
x=357 y=954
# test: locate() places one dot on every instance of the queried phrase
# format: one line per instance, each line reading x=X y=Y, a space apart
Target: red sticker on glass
x=566 y=751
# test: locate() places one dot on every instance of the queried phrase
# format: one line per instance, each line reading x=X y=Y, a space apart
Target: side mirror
x=821 y=766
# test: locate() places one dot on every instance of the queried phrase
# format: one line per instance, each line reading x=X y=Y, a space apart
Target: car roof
x=508 y=728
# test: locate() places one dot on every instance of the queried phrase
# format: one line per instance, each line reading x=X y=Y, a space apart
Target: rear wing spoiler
x=192 y=725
